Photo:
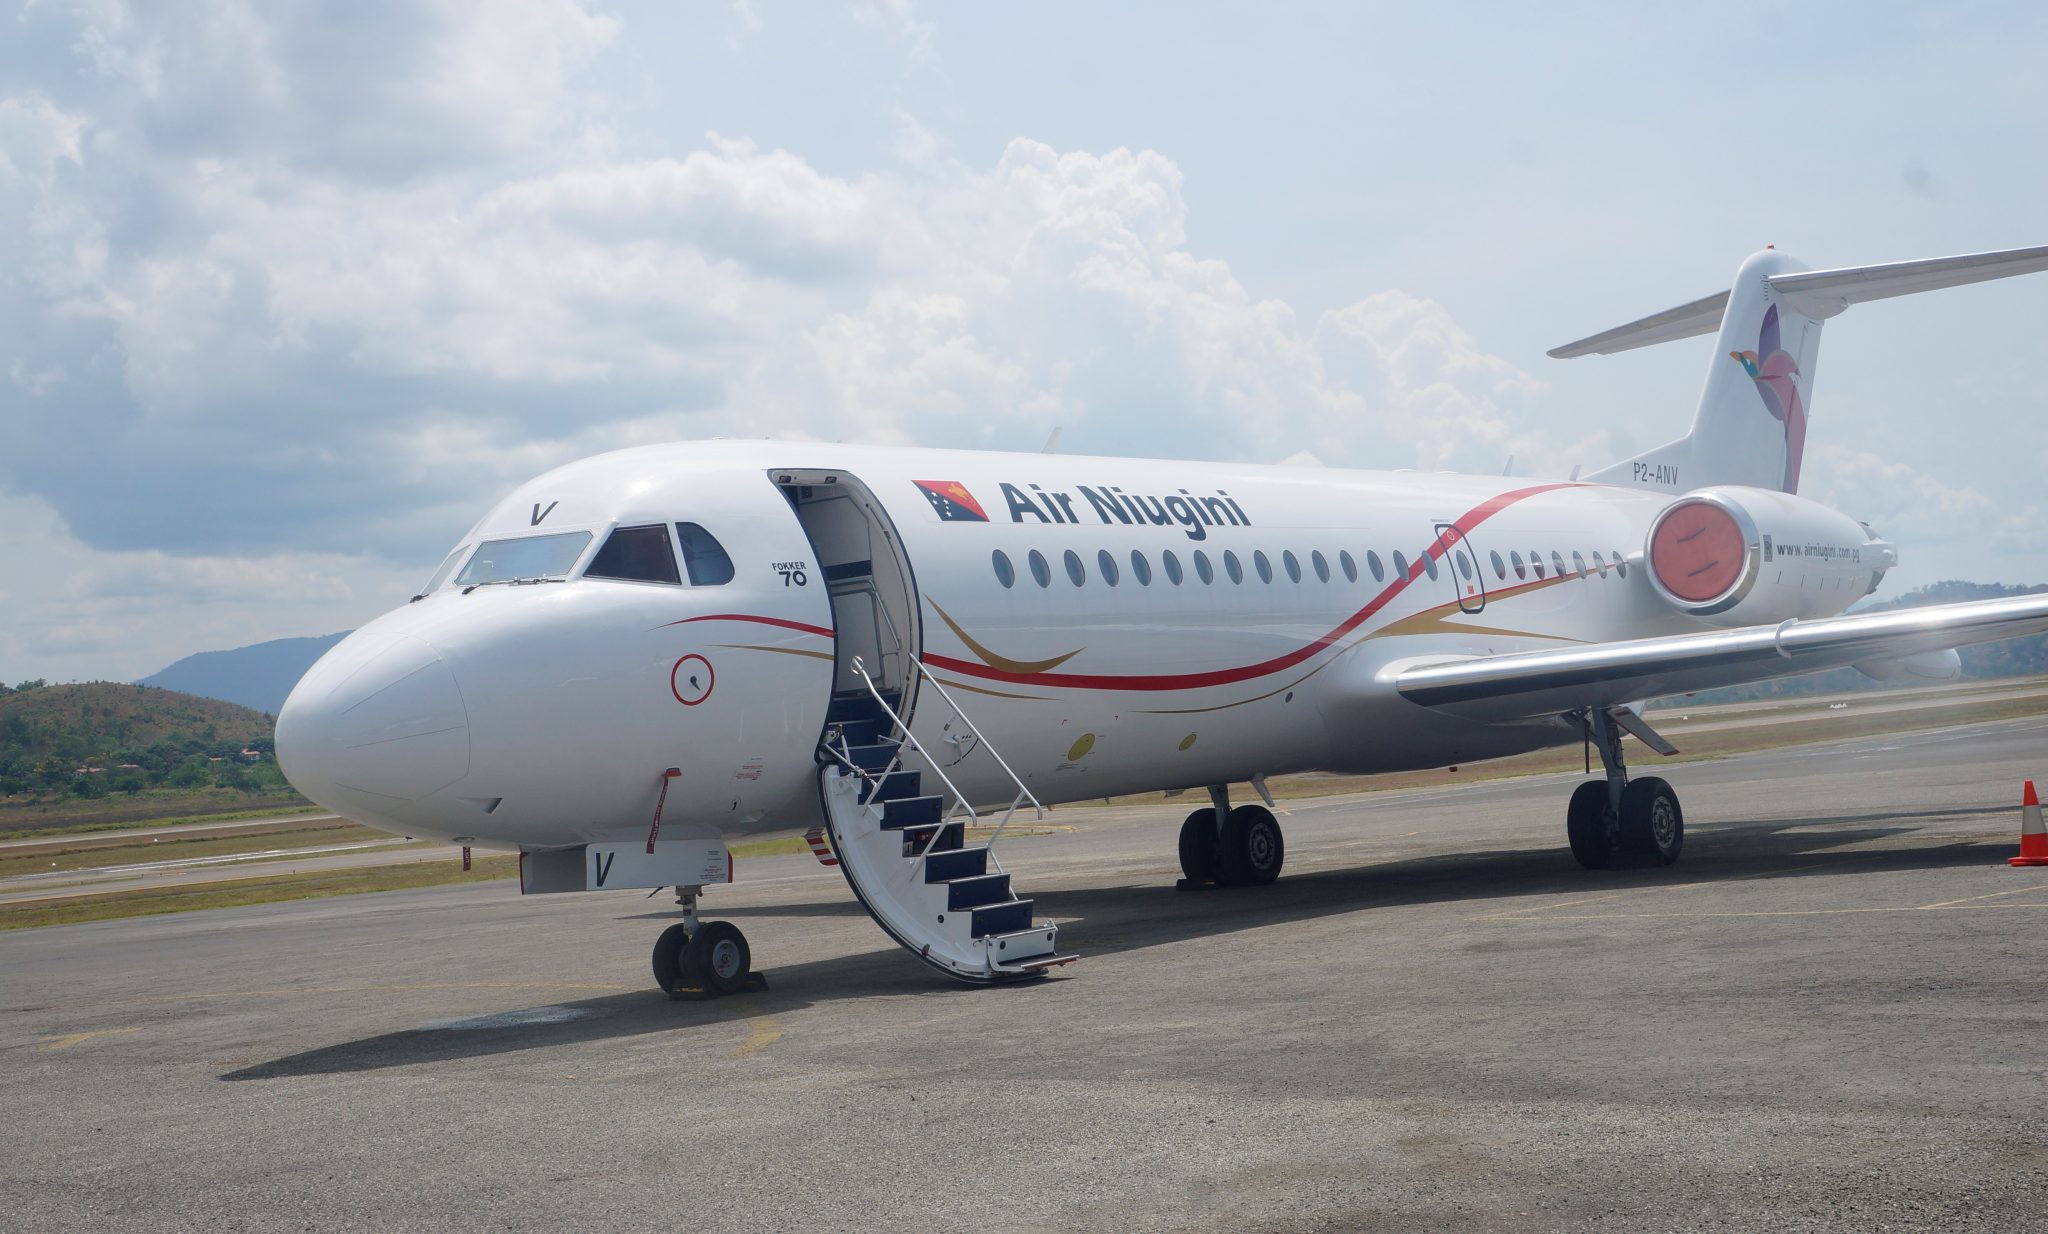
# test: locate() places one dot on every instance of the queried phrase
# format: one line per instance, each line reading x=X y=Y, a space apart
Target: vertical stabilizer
x=1751 y=424
x=1750 y=428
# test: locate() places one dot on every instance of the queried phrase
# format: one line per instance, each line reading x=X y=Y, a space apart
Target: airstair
x=905 y=852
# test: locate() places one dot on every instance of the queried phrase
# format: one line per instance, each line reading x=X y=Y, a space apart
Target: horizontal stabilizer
x=1702 y=316
x=1823 y=293
x=1540 y=684
x=1819 y=294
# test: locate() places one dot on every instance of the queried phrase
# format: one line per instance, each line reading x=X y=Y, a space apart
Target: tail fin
x=1751 y=425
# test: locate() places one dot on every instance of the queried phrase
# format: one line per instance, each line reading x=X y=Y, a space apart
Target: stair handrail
x=910 y=740
x=1024 y=792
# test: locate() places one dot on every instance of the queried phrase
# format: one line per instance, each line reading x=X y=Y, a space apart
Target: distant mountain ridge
x=259 y=676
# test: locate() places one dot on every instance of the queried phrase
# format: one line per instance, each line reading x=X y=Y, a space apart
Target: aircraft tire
x=718 y=955
x=1198 y=847
x=1585 y=824
x=1251 y=849
x=1652 y=825
x=668 y=957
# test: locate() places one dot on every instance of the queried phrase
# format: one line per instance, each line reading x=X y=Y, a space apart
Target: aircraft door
x=868 y=577
x=1462 y=564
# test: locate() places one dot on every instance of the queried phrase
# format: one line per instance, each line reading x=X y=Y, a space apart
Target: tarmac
x=1828 y=1016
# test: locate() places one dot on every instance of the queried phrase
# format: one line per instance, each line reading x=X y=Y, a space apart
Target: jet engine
x=1737 y=556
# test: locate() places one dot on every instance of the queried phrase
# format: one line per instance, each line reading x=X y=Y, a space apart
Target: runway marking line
x=65 y=1041
x=1787 y=912
x=762 y=1032
x=2014 y=891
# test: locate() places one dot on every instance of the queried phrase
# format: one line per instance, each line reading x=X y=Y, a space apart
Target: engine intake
x=1747 y=556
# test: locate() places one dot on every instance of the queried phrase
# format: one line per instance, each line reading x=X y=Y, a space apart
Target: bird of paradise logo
x=1776 y=375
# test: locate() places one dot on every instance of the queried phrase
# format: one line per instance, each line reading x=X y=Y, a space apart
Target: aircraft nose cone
x=374 y=726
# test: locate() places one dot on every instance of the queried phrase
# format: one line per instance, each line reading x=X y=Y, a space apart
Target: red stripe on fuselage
x=800 y=627
x=1215 y=677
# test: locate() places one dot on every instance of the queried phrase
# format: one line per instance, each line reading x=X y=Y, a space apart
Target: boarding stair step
x=918 y=839
x=975 y=891
x=912 y=812
x=945 y=866
x=1002 y=918
x=892 y=787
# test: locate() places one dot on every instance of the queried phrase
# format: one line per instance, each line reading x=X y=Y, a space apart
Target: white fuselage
x=1113 y=626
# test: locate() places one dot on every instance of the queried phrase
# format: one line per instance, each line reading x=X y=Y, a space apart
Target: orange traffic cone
x=2033 y=837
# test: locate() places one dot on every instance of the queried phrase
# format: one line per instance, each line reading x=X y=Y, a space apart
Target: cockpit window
x=448 y=565
x=703 y=556
x=641 y=554
x=498 y=561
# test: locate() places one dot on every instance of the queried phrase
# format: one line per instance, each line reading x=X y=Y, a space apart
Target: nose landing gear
x=700 y=960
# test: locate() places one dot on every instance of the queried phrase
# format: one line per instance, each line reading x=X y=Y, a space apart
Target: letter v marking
x=539 y=514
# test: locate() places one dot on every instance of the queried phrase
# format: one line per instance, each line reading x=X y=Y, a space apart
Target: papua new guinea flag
x=952 y=500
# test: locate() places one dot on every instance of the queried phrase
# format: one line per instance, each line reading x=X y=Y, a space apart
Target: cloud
x=259 y=327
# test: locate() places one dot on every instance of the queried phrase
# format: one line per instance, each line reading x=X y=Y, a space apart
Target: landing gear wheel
x=717 y=953
x=1585 y=822
x=1251 y=850
x=1651 y=823
x=668 y=958
x=1198 y=847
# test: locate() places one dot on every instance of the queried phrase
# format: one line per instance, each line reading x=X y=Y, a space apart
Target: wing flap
x=1541 y=684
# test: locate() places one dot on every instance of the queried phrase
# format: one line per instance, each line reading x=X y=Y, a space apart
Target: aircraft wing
x=1542 y=684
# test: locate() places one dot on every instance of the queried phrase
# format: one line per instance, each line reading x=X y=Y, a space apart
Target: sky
x=290 y=292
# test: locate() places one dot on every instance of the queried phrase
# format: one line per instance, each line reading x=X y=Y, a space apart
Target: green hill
x=100 y=738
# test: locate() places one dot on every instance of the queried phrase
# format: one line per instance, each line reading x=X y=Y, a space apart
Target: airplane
x=635 y=659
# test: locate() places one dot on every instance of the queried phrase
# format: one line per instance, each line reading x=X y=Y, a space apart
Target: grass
x=14 y=824
x=231 y=893
x=68 y=855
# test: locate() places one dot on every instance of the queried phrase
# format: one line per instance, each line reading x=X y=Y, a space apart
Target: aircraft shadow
x=1110 y=920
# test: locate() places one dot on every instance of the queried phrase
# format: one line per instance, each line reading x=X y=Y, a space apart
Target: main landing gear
x=1225 y=847
x=696 y=960
x=1618 y=817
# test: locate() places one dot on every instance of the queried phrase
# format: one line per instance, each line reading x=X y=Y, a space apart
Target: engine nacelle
x=1749 y=556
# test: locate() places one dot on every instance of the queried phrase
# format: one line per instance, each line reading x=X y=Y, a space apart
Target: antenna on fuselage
x=1052 y=443
x=1508 y=468
x=1575 y=471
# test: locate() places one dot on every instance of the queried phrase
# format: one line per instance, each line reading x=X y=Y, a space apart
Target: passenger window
x=1105 y=565
x=1141 y=569
x=1464 y=565
x=1500 y=568
x=703 y=556
x=1621 y=565
x=1321 y=564
x=1172 y=564
x=1521 y=571
x=637 y=554
x=1074 y=571
x=1203 y=570
x=1579 y=563
x=1292 y=564
x=1429 y=564
x=1536 y=563
x=1557 y=562
x=1599 y=563
x=1006 y=574
x=1264 y=567
x=1231 y=566
x=1348 y=564
x=1400 y=565
x=1041 y=573
x=1372 y=562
